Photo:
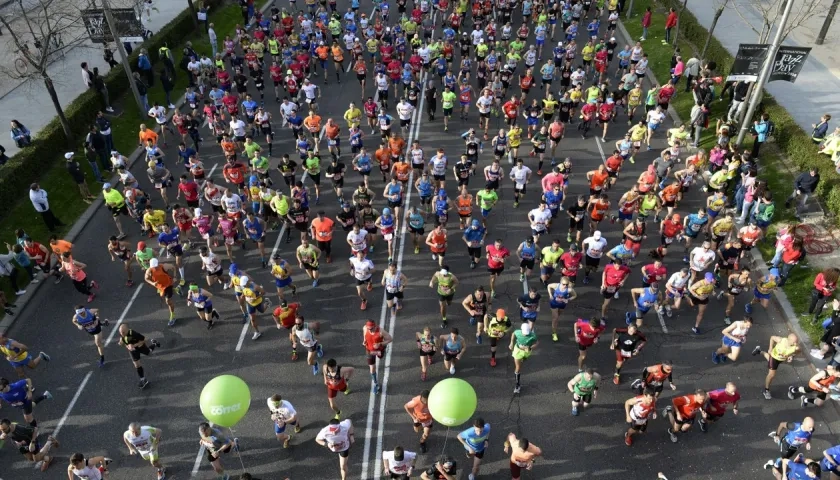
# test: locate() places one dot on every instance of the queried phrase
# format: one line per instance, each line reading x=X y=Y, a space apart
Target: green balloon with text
x=225 y=400
x=452 y=402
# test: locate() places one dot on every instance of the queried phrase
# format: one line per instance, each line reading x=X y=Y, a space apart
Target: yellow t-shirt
x=156 y=218
x=252 y=296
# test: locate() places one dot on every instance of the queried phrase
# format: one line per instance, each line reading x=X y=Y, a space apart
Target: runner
x=283 y=413
x=88 y=320
x=496 y=255
x=418 y=409
x=584 y=388
x=718 y=401
x=93 y=468
x=522 y=344
x=135 y=343
x=654 y=377
x=398 y=463
x=335 y=378
x=169 y=240
x=394 y=282
x=594 y=247
x=161 y=277
x=253 y=295
x=202 y=300
x=255 y=228
x=120 y=250
x=25 y=438
x=637 y=411
x=734 y=337
x=627 y=343
x=361 y=269
x=683 y=410
x=699 y=294
x=145 y=440
x=522 y=454
x=475 y=440
x=216 y=444
x=307 y=336
x=17 y=354
x=614 y=276
x=781 y=350
x=375 y=340
x=75 y=270
x=789 y=436
x=307 y=256
x=820 y=383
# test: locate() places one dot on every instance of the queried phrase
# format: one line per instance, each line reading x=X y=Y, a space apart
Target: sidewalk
x=28 y=102
x=817 y=89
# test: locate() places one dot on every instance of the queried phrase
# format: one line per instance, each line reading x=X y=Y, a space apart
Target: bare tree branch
x=770 y=11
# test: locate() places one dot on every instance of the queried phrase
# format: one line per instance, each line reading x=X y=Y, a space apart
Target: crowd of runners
x=547 y=70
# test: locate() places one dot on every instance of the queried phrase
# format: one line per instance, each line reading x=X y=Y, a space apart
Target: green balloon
x=452 y=402
x=225 y=400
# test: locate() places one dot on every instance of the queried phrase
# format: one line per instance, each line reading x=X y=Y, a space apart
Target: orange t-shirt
x=438 y=242
x=402 y=170
x=323 y=52
x=669 y=193
x=148 y=135
x=397 y=145
x=338 y=53
x=323 y=229
x=332 y=131
x=419 y=409
x=161 y=278
x=313 y=123
x=687 y=405
x=61 y=246
x=228 y=147
x=465 y=205
x=599 y=209
x=287 y=315
x=599 y=179
x=383 y=157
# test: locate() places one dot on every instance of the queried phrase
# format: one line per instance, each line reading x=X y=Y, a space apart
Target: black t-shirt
x=730 y=255
x=287 y=168
x=348 y=217
x=336 y=170
x=626 y=342
x=462 y=169
x=22 y=433
x=472 y=146
x=299 y=215
x=75 y=171
x=577 y=211
x=433 y=471
x=529 y=303
x=132 y=338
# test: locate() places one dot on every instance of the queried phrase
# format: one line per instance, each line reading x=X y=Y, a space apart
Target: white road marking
x=71 y=405
x=374 y=466
x=198 y=458
x=600 y=150
x=124 y=313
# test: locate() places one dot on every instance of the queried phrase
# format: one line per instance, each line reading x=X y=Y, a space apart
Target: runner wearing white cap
x=522 y=344
x=594 y=248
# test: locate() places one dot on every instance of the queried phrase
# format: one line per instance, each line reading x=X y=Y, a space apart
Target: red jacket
x=822 y=286
x=671 y=21
x=646 y=19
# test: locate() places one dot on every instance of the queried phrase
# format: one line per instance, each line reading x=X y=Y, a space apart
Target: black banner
x=748 y=62
x=788 y=63
x=126 y=22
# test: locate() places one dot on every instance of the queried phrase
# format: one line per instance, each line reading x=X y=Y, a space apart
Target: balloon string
x=238 y=452
x=445 y=439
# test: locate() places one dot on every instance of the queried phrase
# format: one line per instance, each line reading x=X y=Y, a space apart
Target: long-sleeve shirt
x=39 y=200
x=807 y=183
x=671 y=21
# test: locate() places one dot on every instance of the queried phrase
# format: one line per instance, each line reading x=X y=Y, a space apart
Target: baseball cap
x=710 y=277
x=526 y=328
x=141 y=245
x=154 y=262
x=68 y=155
x=106 y=186
x=597 y=235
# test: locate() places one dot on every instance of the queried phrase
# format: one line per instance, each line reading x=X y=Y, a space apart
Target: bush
x=50 y=143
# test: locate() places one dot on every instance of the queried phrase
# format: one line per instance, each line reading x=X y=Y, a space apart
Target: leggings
x=82 y=286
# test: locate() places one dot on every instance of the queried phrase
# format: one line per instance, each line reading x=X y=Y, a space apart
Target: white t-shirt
x=309 y=90
x=484 y=103
x=282 y=411
x=88 y=473
x=287 y=108
x=237 y=127
x=577 y=77
x=402 y=466
x=336 y=436
x=655 y=117
x=540 y=218
x=305 y=336
x=438 y=165
x=143 y=443
x=700 y=258
x=358 y=241
x=595 y=248
x=641 y=67
x=159 y=113
x=362 y=269
x=520 y=175
x=382 y=82
x=405 y=110
x=677 y=281
x=476 y=35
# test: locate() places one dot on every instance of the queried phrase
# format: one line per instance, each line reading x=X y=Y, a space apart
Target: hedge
x=793 y=142
x=30 y=163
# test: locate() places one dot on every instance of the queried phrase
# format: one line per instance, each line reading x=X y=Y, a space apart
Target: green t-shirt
x=524 y=342
x=550 y=257
x=517 y=46
x=260 y=163
x=144 y=257
x=448 y=99
x=487 y=199
x=313 y=165
x=113 y=198
x=592 y=94
x=482 y=49
x=250 y=148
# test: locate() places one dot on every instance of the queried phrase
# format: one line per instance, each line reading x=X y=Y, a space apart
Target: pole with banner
x=758 y=88
x=112 y=26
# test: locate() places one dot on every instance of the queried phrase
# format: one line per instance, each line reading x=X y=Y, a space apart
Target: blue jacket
x=143 y=63
x=761 y=129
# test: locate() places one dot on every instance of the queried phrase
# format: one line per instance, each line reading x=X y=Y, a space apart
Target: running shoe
x=48 y=395
x=377 y=389
x=715 y=358
x=143 y=383
x=704 y=426
x=748 y=308
x=286 y=442
x=452 y=370
x=90 y=297
x=315 y=369
x=790 y=393
x=628 y=318
x=320 y=351
x=802 y=401
x=517 y=389
x=628 y=440
x=472 y=320
x=315 y=283
x=171 y=322
x=236 y=444
x=478 y=339
x=554 y=337
x=492 y=361
x=423 y=376
x=673 y=436
x=363 y=306
x=695 y=330
x=101 y=362
x=370 y=287
x=256 y=335
x=769 y=465
x=94 y=285
x=727 y=320
x=616 y=379
x=44 y=357
x=767 y=395
x=756 y=350
x=575 y=411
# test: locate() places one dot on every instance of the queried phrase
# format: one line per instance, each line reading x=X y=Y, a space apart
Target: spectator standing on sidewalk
x=760 y=131
x=99 y=86
x=38 y=197
x=108 y=56
x=105 y=129
x=144 y=64
x=202 y=17
x=78 y=176
x=92 y=158
x=739 y=96
x=646 y=20
x=142 y=89
x=87 y=78
x=20 y=134
x=168 y=59
x=804 y=186
x=692 y=71
x=670 y=23
x=97 y=141
x=214 y=40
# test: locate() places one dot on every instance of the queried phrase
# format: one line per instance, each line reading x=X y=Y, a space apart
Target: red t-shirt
x=719 y=399
x=190 y=190
x=287 y=316
x=496 y=256
x=585 y=334
x=687 y=405
x=613 y=275
x=653 y=274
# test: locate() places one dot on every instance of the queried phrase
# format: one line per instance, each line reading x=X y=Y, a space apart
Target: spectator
x=23 y=261
x=739 y=96
x=202 y=17
x=670 y=22
x=246 y=13
x=7 y=269
x=765 y=208
x=790 y=258
x=646 y=20
x=38 y=197
x=692 y=71
x=804 y=185
x=92 y=158
x=820 y=129
x=677 y=71
x=3 y=157
x=214 y=40
x=699 y=116
x=825 y=284
x=761 y=130
x=78 y=176
x=168 y=84
x=143 y=90
x=20 y=134
x=96 y=140
x=167 y=58
x=784 y=239
x=99 y=85
x=87 y=79
x=108 y=56
x=830 y=333
x=145 y=66
x=105 y=129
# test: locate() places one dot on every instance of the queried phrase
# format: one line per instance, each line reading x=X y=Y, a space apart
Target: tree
x=770 y=12
x=718 y=12
x=42 y=30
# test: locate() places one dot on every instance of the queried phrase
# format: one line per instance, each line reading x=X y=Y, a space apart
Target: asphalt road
x=93 y=406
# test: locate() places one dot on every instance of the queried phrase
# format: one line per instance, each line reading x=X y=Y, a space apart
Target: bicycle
x=21 y=64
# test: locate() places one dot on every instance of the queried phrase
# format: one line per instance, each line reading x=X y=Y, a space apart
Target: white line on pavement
x=122 y=316
x=600 y=150
x=71 y=405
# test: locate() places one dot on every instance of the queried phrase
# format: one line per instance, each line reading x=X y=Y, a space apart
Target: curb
x=80 y=224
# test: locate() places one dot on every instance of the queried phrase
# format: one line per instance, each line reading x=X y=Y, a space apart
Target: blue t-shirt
x=796 y=437
x=16 y=396
x=834 y=453
x=473 y=235
x=170 y=238
x=796 y=471
x=475 y=440
x=621 y=252
x=695 y=224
